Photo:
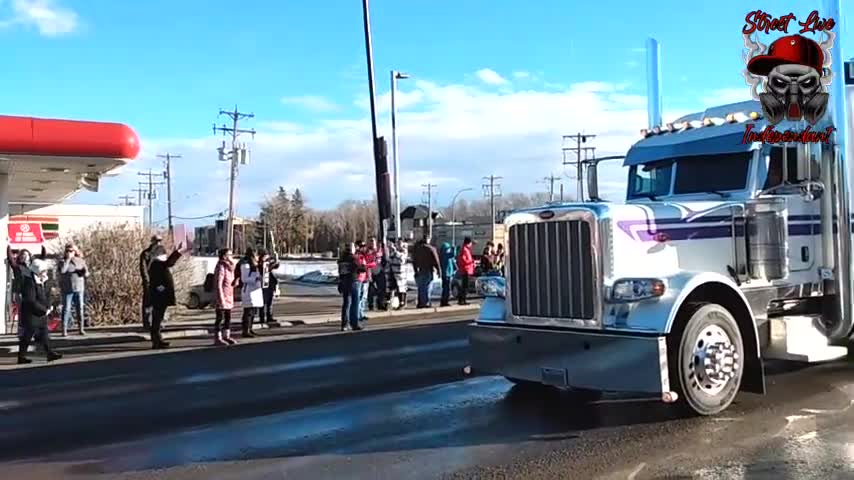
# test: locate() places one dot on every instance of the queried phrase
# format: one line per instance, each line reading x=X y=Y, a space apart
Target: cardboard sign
x=25 y=233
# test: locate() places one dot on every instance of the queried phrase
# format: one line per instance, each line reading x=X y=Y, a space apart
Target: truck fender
x=716 y=288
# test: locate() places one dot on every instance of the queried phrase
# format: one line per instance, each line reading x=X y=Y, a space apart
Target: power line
x=550 y=181
x=126 y=199
x=237 y=156
x=139 y=192
x=150 y=193
x=580 y=150
x=168 y=175
x=218 y=214
x=492 y=190
x=429 y=190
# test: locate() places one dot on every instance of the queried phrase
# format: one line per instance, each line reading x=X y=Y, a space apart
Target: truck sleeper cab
x=724 y=253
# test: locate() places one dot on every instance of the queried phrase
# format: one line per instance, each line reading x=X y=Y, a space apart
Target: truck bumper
x=572 y=359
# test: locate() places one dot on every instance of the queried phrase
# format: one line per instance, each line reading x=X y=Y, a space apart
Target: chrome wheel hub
x=714 y=360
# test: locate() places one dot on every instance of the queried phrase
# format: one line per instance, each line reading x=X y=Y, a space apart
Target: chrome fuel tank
x=767 y=238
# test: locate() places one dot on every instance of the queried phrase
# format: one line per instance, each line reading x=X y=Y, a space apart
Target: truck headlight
x=491 y=286
x=634 y=289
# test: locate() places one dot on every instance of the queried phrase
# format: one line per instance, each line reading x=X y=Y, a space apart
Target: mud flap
x=754 y=377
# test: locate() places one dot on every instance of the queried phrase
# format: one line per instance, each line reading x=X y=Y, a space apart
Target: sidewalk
x=202 y=325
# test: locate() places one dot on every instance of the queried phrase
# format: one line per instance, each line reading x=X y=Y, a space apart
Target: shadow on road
x=475 y=412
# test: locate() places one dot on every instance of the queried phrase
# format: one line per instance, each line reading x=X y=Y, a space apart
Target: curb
x=60 y=342
x=10 y=346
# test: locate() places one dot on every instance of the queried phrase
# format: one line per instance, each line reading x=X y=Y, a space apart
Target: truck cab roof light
x=656 y=130
x=755 y=115
x=644 y=132
x=695 y=124
x=738 y=117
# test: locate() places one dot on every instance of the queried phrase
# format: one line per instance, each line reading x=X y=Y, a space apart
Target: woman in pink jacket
x=224 y=284
x=465 y=269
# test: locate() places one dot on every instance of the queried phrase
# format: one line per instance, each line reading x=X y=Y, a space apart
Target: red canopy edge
x=66 y=138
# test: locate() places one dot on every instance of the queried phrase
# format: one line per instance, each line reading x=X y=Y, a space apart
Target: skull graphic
x=794 y=88
x=798 y=88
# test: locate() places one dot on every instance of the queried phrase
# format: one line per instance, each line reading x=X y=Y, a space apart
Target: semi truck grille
x=551 y=270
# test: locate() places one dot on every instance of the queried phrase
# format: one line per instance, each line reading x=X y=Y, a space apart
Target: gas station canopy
x=47 y=160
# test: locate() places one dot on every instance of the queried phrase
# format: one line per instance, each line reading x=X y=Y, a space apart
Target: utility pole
x=580 y=150
x=126 y=199
x=150 y=194
x=237 y=156
x=168 y=157
x=550 y=181
x=395 y=76
x=139 y=193
x=429 y=190
x=492 y=190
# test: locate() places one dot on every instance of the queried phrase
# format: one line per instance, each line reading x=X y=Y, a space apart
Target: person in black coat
x=269 y=284
x=35 y=307
x=144 y=264
x=161 y=290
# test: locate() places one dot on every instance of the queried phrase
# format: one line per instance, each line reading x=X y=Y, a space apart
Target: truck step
x=801 y=338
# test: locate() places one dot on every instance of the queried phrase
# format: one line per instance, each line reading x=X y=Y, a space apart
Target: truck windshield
x=650 y=180
x=712 y=173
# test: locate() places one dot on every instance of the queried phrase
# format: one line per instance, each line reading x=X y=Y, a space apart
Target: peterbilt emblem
x=547 y=214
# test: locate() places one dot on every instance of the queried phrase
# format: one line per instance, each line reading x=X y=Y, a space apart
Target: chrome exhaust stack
x=841 y=324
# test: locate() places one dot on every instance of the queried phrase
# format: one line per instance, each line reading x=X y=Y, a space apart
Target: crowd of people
x=368 y=278
x=253 y=276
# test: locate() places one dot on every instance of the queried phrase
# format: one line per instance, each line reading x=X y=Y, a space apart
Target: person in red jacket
x=465 y=267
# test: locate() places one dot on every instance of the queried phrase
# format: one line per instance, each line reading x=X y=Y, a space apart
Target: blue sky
x=495 y=83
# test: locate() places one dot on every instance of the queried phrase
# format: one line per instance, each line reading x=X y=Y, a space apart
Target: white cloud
x=450 y=135
x=726 y=95
x=314 y=103
x=490 y=77
x=50 y=18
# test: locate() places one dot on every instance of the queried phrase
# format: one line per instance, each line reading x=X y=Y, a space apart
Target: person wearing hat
x=161 y=289
x=144 y=264
x=35 y=307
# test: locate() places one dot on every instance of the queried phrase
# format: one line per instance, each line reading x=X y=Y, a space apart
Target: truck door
x=791 y=166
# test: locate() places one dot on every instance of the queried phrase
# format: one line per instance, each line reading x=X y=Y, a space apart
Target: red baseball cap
x=793 y=49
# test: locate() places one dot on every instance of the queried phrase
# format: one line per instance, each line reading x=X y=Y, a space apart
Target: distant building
x=31 y=226
x=413 y=222
x=210 y=238
x=480 y=232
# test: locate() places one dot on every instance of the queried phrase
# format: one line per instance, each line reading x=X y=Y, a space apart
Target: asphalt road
x=392 y=404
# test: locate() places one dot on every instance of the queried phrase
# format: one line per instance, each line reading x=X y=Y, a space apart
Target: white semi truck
x=723 y=255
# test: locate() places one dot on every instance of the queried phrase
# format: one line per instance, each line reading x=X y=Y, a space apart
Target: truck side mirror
x=637 y=183
x=593 y=181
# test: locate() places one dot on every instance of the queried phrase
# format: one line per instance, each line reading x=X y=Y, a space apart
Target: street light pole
x=454 y=216
x=395 y=76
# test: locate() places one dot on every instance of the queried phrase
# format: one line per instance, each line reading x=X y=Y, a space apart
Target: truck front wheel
x=705 y=355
